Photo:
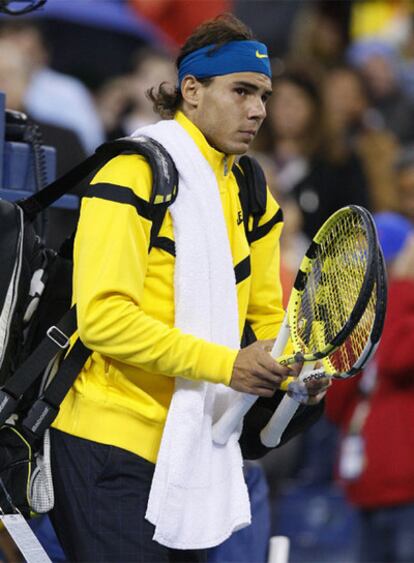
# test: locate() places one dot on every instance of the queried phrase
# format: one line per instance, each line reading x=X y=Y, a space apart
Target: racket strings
x=361 y=343
x=334 y=283
x=347 y=355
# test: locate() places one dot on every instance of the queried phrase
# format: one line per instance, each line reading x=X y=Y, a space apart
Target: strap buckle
x=58 y=337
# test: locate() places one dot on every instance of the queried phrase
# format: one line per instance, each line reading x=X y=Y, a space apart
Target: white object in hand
x=230 y=420
x=272 y=432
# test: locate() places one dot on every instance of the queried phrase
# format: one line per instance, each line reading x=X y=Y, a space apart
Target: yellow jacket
x=125 y=306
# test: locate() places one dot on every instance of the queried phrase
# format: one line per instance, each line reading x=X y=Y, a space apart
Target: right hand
x=256 y=372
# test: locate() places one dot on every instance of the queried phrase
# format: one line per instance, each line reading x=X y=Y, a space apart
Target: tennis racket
x=329 y=296
x=346 y=361
x=352 y=356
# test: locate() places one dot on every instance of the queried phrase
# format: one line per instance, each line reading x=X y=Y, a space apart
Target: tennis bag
x=37 y=321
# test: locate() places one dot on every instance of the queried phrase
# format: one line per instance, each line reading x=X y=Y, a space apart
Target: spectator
x=122 y=102
x=53 y=97
x=375 y=413
x=378 y=62
x=353 y=125
x=14 y=81
x=293 y=242
x=320 y=34
x=318 y=179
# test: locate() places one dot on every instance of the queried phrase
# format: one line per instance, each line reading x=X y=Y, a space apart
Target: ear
x=190 y=90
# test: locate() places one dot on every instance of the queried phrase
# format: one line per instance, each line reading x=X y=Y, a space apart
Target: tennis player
x=165 y=326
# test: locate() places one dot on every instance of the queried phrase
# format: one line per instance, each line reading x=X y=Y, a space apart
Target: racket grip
x=227 y=423
x=282 y=339
x=271 y=434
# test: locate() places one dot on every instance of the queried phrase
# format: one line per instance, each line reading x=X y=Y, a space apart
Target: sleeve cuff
x=216 y=364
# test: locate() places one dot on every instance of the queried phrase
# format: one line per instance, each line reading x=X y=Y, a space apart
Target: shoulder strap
x=252 y=192
x=253 y=200
x=46 y=408
x=56 y=339
x=165 y=176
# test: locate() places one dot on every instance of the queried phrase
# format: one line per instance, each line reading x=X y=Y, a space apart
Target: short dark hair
x=218 y=31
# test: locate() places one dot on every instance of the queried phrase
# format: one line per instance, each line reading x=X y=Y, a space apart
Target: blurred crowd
x=340 y=130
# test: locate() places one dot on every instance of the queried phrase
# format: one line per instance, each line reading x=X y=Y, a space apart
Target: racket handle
x=272 y=432
x=282 y=339
x=227 y=423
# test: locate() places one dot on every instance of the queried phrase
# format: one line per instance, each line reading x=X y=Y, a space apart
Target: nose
x=257 y=109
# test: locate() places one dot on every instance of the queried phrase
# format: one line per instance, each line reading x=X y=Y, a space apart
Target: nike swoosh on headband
x=261 y=55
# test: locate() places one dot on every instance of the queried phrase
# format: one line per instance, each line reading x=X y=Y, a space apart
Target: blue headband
x=236 y=56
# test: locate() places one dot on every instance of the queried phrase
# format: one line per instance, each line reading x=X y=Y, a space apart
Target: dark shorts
x=101 y=495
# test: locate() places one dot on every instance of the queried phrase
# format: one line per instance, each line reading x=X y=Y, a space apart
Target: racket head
x=352 y=356
x=334 y=284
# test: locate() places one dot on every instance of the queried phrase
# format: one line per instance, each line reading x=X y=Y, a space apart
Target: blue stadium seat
x=321 y=526
x=18 y=179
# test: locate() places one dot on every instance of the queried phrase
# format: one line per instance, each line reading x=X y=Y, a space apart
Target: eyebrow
x=251 y=87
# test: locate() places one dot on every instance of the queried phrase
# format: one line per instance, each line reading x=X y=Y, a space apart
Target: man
x=165 y=326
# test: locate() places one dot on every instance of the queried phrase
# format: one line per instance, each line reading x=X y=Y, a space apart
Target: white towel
x=198 y=495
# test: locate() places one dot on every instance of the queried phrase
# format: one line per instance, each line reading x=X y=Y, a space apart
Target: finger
x=269 y=379
x=296 y=369
x=261 y=390
x=271 y=365
x=265 y=392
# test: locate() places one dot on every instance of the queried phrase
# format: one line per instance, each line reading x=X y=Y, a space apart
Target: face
x=152 y=71
x=14 y=75
x=343 y=96
x=291 y=111
x=380 y=75
x=230 y=110
x=326 y=38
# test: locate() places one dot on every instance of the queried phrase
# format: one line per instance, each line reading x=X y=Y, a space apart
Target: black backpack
x=36 y=317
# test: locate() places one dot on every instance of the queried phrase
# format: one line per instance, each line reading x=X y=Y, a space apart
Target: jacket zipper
x=226 y=165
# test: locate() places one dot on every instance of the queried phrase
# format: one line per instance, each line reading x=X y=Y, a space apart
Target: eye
x=241 y=91
x=265 y=98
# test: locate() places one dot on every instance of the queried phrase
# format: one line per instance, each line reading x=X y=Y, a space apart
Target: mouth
x=249 y=134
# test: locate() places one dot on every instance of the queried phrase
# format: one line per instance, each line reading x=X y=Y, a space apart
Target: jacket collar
x=221 y=163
